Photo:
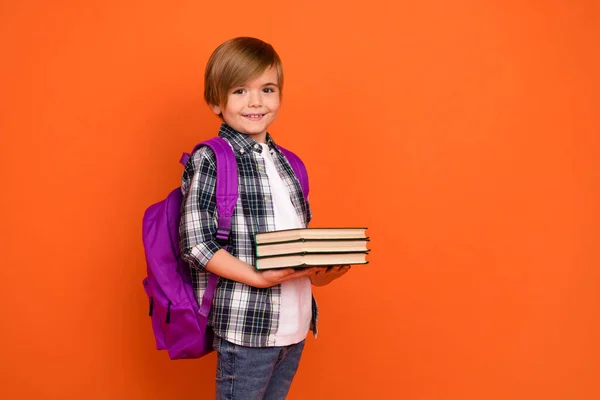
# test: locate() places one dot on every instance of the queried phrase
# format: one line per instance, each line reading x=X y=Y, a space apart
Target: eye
x=269 y=90
x=238 y=91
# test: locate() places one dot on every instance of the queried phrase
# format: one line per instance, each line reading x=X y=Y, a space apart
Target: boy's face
x=252 y=107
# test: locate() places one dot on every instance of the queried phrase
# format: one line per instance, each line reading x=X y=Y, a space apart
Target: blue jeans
x=255 y=373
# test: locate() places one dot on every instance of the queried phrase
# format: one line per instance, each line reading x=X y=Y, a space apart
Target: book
x=312 y=246
x=299 y=260
x=305 y=247
x=310 y=233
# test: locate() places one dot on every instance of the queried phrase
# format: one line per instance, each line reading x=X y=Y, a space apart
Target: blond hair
x=234 y=63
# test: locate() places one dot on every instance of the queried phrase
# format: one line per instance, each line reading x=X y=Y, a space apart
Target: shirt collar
x=242 y=143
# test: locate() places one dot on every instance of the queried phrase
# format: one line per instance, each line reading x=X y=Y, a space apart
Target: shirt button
x=275 y=302
x=241 y=151
x=256 y=146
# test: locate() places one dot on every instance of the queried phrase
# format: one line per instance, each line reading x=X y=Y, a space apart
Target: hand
x=324 y=276
x=272 y=277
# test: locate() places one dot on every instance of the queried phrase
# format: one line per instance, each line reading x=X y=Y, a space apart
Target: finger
x=289 y=271
x=279 y=273
x=338 y=271
x=303 y=272
x=310 y=271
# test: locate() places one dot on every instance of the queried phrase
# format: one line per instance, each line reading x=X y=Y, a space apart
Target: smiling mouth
x=254 y=117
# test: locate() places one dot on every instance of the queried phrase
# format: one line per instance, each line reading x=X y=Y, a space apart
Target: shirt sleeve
x=199 y=219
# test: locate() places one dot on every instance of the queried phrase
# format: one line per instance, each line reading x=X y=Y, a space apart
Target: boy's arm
x=198 y=229
x=227 y=266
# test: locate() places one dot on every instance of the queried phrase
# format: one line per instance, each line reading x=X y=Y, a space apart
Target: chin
x=254 y=130
x=254 y=133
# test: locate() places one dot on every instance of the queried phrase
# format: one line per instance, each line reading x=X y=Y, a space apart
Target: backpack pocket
x=186 y=332
x=153 y=312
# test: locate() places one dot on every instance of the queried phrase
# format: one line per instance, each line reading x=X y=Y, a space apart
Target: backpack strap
x=299 y=169
x=226 y=193
x=227 y=186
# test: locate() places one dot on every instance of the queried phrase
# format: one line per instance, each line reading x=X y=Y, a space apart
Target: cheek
x=230 y=110
x=274 y=104
x=234 y=105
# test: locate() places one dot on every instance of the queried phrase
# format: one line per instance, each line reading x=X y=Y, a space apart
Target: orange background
x=464 y=134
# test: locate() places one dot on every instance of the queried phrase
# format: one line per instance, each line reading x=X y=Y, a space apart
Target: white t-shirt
x=296 y=294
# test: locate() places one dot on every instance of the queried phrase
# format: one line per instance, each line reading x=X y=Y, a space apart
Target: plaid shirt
x=241 y=314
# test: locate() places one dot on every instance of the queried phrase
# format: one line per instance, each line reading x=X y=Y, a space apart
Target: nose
x=255 y=99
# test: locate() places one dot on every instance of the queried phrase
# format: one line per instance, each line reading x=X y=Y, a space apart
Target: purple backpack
x=179 y=324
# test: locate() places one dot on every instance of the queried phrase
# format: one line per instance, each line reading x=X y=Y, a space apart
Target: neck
x=260 y=138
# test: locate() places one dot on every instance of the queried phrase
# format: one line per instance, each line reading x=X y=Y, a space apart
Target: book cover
x=311 y=245
x=296 y=260
x=309 y=233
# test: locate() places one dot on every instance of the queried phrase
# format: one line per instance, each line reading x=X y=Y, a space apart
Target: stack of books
x=296 y=248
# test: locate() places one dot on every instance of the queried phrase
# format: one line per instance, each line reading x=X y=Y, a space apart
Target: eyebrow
x=270 y=84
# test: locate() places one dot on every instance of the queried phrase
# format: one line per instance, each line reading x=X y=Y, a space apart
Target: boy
x=260 y=319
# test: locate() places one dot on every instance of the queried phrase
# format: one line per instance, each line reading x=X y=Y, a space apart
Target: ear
x=216 y=109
